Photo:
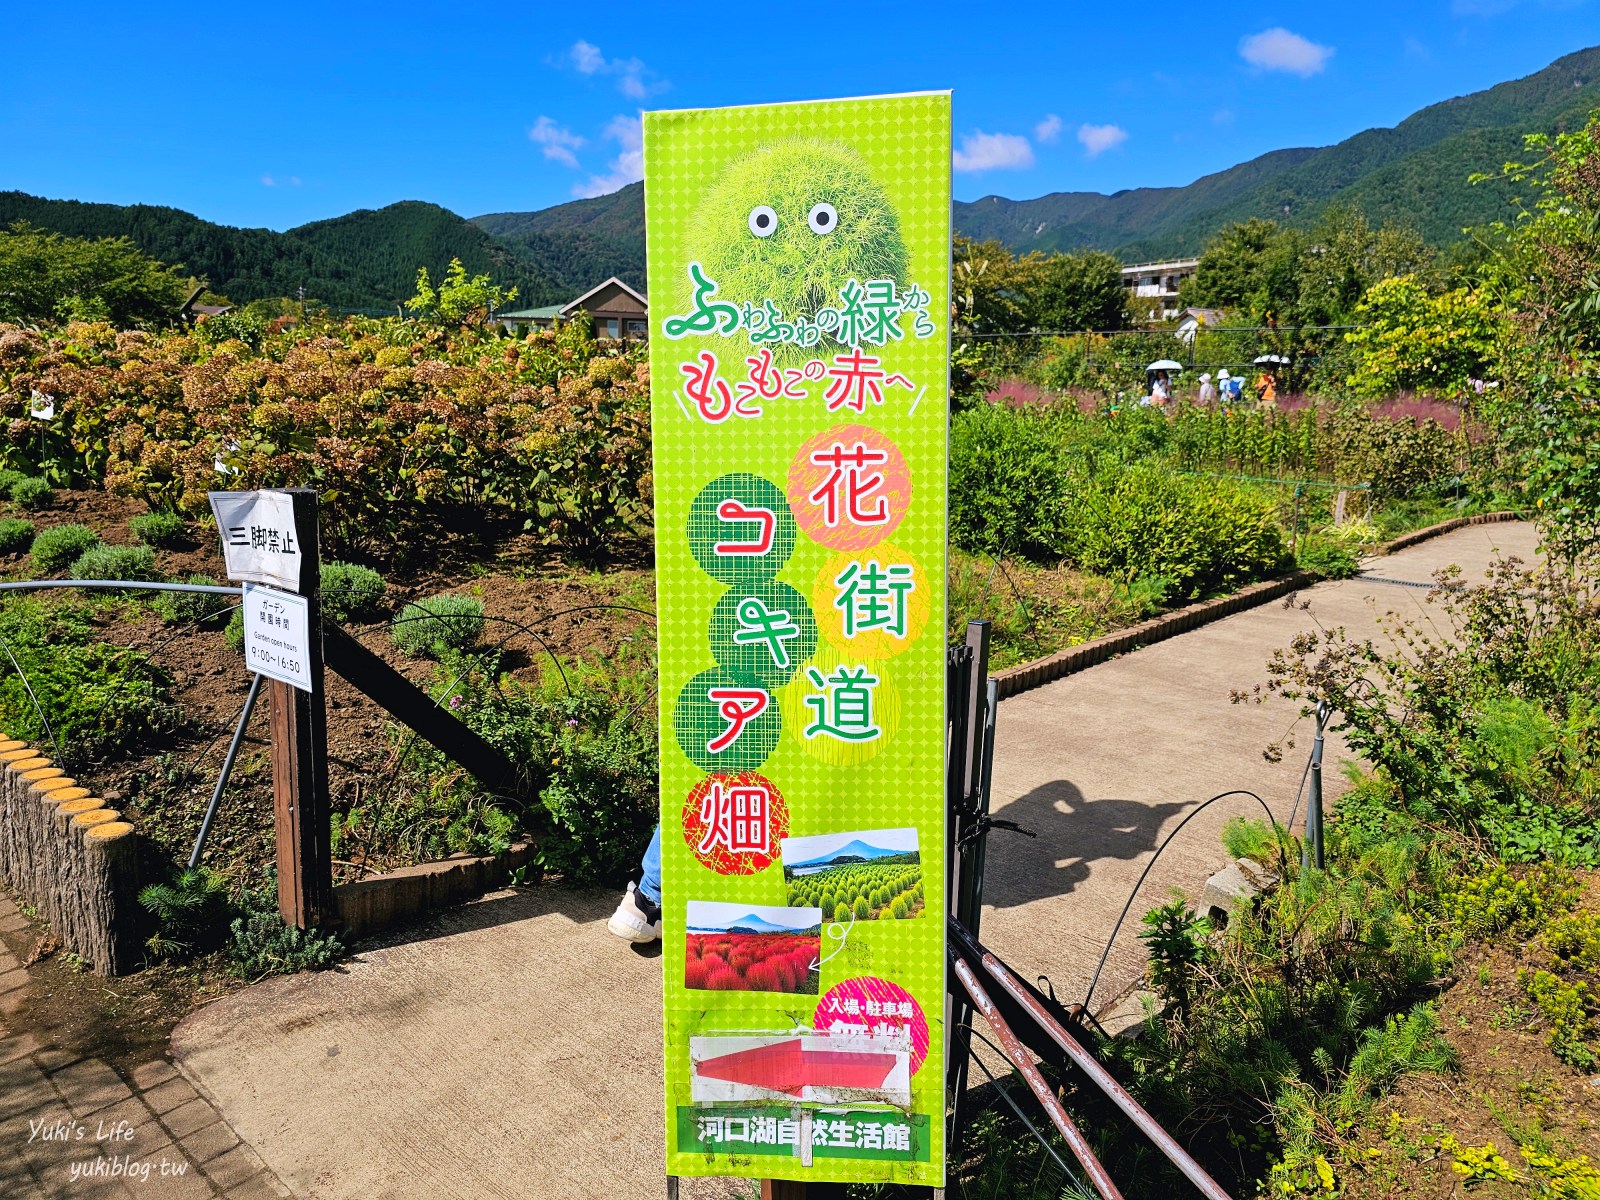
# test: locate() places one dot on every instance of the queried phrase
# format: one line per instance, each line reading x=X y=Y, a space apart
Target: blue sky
x=809 y=849
x=712 y=914
x=274 y=116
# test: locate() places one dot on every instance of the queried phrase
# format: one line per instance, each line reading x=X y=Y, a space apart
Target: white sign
x=220 y=466
x=277 y=635
x=259 y=541
x=40 y=406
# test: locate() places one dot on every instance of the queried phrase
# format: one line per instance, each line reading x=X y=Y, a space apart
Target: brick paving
x=76 y=1128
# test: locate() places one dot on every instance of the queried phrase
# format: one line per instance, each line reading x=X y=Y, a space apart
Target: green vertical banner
x=799 y=259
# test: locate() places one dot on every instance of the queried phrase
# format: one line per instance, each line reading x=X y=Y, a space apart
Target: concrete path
x=1105 y=763
x=72 y=1126
x=512 y=1048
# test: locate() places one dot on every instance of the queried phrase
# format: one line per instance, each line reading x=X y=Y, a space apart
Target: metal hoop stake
x=227 y=770
x=1311 y=848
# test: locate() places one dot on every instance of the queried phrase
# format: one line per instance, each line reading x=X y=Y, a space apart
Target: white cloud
x=634 y=79
x=1048 y=130
x=586 y=57
x=275 y=181
x=992 y=152
x=627 y=167
x=1279 y=50
x=1097 y=139
x=268 y=181
x=556 y=141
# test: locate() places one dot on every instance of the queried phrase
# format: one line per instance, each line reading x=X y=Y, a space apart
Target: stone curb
x=409 y=893
x=1029 y=675
x=1433 y=531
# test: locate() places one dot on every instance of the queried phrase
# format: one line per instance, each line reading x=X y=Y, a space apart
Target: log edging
x=1040 y=671
x=71 y=857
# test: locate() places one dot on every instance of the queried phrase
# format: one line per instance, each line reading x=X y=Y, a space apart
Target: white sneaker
x=636 y=919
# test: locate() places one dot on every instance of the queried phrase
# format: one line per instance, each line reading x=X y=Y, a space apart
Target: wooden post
x=300 y=756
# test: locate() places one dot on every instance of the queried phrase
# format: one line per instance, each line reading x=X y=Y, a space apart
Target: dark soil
x=538 y=608
x=1511 y=1091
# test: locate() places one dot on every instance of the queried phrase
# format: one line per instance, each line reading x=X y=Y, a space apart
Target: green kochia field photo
x=874 y=875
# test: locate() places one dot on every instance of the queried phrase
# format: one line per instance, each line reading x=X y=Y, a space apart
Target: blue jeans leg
x=650 y=884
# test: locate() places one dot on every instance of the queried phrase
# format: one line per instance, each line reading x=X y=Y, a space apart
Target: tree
x=1074 y=291
x=459 y=300
x=1546 y=267
x=1270 y=275
x=984 y=288
x=1346 y=256
x=1251 y=268
x=46 y=277
x=1410 y=340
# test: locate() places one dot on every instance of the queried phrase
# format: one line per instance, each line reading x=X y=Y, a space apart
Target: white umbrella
x=1165 y=364
x=1272 y=358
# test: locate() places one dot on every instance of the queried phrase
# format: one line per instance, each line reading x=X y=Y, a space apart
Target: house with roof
x=1191 y=320
x=616 y=310
x=193 y=312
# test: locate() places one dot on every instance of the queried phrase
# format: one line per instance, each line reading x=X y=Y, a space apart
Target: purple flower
x=455 y=702
x=572 y=722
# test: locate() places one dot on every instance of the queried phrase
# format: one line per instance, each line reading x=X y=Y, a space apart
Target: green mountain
x=365 y=259
x=1414 y=173
x=581 y=243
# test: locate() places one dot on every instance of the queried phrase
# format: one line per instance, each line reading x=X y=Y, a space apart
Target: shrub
x=438 y=625
x=60 y=546
x=590 y=753
x=116 y=562
x=1204 y=536
x=16 y=535
x=160 y=529
x=351 y=592
x=96 y=697
x=32 y=492
x=191 y=608
x=262 y=944
x=1328 y=561
x=191 y=913
x=233 y=635
x=9 y=479
x=1566 y=1006
x=1489 y=732
x=1006 y=482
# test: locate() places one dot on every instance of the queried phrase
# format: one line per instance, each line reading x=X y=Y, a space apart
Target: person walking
x=1208 y=393
x=1228 y=386
x=1267 y=390
x=1161 y=390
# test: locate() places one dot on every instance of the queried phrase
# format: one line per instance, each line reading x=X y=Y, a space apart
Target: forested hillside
x=580 y=243
x=365 y=259
x=1413 y=175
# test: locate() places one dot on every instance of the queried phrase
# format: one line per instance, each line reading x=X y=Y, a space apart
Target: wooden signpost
x=271 y=542
x=272 y=538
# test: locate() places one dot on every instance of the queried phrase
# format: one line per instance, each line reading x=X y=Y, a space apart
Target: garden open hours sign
x=799 y=302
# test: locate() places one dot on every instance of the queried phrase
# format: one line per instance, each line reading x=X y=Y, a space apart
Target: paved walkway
x=511 y=1048
x=72 y=1126
x=1105 y=763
